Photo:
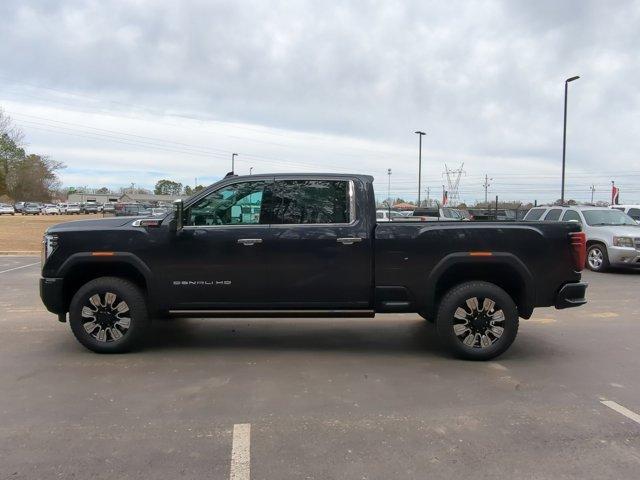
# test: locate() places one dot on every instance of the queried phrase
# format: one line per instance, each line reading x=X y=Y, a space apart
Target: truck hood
x=618 y=231
x=85 y=225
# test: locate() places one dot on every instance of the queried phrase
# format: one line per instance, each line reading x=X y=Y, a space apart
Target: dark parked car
x=306 y=246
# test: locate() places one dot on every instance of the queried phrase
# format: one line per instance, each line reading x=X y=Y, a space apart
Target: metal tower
x=453 y=183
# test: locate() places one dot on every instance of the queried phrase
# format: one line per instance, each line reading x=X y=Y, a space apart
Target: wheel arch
x=81 y=268
x=502 y=269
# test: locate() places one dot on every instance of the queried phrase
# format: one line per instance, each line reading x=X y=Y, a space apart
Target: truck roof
x=346 y=176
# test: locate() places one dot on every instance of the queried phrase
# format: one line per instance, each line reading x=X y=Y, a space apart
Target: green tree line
x=23 y=175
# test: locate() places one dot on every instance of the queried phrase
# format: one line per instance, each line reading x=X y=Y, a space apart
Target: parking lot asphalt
x=321 y=398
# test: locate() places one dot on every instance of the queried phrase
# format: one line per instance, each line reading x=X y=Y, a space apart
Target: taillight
x=578 y=249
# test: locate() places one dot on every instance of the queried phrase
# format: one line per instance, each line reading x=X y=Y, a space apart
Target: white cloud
x=323 y=85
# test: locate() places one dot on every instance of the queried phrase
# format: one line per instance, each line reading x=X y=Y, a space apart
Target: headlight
x=623 y=242
x=49 y=244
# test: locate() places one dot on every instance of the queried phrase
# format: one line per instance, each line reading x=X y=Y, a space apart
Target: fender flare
x=496 y=258
x=113 y=257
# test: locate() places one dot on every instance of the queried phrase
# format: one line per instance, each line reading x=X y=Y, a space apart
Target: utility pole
x=233 y=162
x=420 y=134
x=428 y=190
x=593 y=189
x=486 y=185
x=389 y=188
x=564 y=133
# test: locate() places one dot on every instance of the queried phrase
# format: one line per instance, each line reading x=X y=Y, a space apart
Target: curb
x=20 y=253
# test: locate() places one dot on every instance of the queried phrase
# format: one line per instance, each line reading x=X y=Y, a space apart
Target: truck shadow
x=380 y=336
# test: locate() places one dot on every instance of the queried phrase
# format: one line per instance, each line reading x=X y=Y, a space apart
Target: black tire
x=494 y=344
x=597 y=258
x=428 y=319
x=120 y=339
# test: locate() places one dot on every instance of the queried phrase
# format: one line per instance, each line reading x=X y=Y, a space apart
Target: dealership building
x=147 y=198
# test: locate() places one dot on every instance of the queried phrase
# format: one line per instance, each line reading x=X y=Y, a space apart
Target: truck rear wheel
x=109 y=315
x=477 y=320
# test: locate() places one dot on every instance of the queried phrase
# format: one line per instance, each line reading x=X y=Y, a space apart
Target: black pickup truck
x=306 y=246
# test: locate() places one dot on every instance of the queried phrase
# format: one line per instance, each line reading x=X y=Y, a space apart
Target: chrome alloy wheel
x=103 y=317
x=479 y=322
x=595 y=258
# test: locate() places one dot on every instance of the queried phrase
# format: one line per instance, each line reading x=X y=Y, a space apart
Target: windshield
x=607 y=217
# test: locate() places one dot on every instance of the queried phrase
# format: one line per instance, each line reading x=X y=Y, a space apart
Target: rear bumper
x=571 y=295
x=52 y=295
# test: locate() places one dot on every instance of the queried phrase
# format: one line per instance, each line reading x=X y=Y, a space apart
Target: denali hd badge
x=198 y=283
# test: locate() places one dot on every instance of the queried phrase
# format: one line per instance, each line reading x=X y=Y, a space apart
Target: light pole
x=233 y=163
x=389 y=188
x=564 y=133
x=250 y=170
x=420 y=134
x=593 y=189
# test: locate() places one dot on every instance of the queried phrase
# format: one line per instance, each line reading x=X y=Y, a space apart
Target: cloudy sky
x=133 y=91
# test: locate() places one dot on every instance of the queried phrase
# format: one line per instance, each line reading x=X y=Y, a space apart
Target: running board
x=271 y=313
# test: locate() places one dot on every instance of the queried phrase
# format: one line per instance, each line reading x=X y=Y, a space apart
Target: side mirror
x=178 y=209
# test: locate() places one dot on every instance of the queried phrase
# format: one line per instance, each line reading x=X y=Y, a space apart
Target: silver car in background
x=613 y=237
x=6 y=209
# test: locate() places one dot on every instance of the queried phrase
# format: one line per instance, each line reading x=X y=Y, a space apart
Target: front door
x=218 y=258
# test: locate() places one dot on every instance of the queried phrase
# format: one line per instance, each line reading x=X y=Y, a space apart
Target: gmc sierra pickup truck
x=306 y=246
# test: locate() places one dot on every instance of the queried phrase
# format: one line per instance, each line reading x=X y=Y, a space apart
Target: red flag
x=615 y=195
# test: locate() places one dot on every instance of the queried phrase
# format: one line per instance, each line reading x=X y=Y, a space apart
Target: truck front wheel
x=477 y=320
x=109 y=315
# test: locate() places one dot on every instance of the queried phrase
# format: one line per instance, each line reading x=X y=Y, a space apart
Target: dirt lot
x=24 y=232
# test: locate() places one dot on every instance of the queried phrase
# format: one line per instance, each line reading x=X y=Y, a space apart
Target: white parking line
x=240 y=452
x=18 y=268
x=621 y=410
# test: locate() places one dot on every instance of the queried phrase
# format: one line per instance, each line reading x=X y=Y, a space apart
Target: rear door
x=321 y=250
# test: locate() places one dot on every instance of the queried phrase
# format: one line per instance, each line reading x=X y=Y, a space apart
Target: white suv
x=613 y=237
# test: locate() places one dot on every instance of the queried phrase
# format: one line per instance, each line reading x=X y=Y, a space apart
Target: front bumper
x=571 y=295
x=624 y=256
x=51 y=293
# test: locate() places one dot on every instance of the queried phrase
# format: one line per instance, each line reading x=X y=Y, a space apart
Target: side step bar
x=271 y=313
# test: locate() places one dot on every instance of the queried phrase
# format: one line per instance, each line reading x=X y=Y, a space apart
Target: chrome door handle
x=349 y=240
x=249 y=241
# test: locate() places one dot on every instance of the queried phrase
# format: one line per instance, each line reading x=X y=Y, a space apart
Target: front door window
x=235 y=204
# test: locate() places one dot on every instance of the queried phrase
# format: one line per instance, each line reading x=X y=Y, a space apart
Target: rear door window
x=534 y=214
x=553 y=215
x=299 y=202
